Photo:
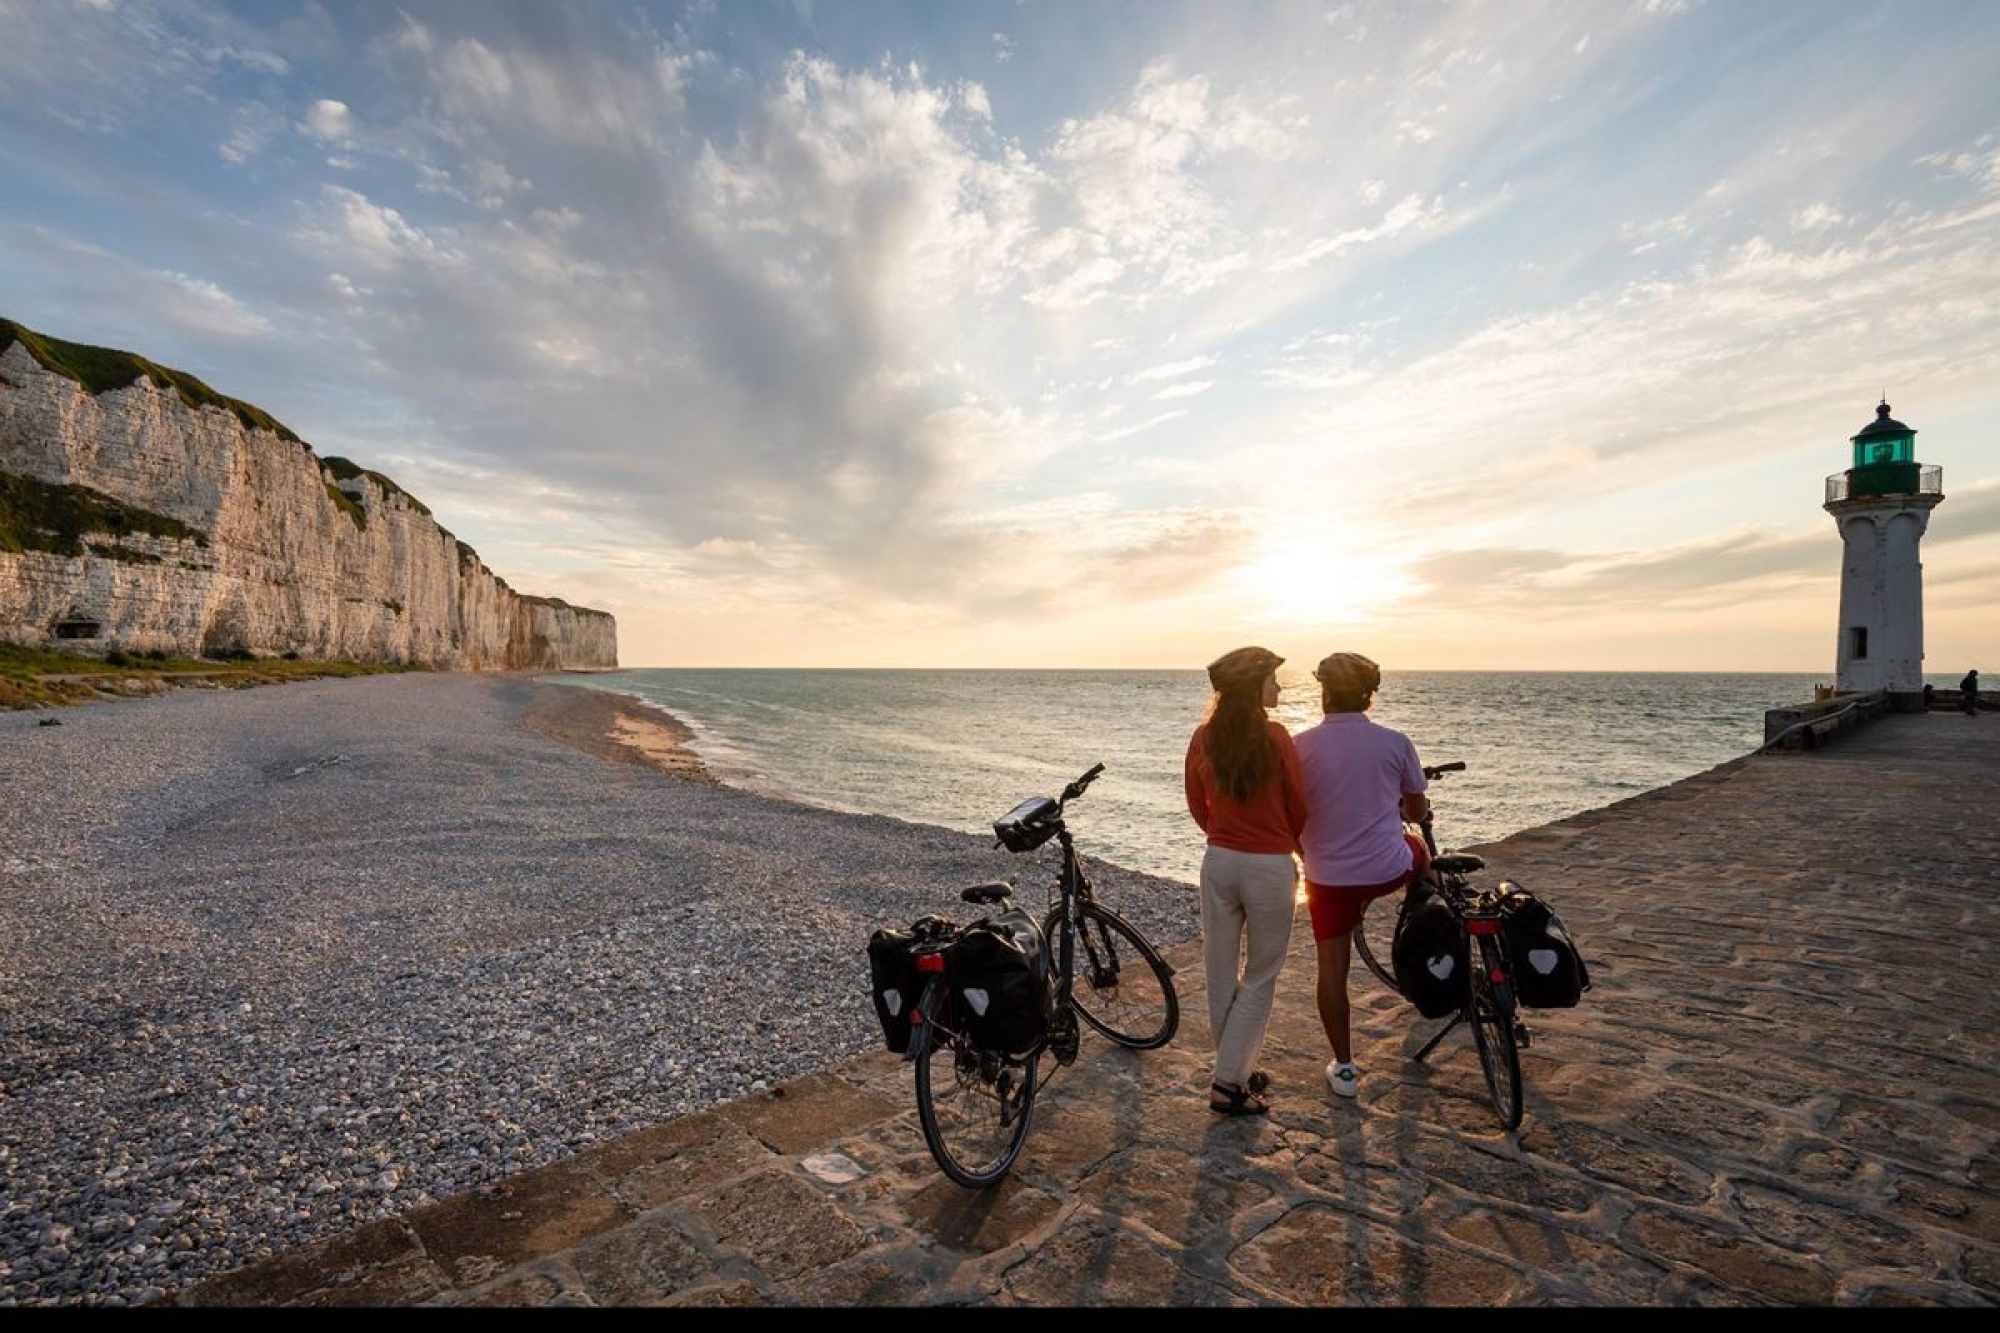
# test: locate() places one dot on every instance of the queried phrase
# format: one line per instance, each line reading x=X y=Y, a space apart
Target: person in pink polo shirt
x=1362 y=782
x=1244 y=790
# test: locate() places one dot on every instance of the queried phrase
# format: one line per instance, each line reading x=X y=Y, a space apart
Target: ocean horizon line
x=1387 y=670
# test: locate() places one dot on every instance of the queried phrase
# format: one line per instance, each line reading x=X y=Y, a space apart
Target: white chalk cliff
x=160 y=515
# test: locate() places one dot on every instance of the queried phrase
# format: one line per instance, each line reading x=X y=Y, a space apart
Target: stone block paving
x=1783 y=1089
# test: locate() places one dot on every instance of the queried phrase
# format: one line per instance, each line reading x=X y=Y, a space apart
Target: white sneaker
x=1344 y=1079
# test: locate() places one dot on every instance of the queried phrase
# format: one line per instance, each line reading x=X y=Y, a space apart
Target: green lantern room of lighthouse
x=1885 y=458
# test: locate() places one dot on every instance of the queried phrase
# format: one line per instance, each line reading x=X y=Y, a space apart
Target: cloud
x=1714 y=572
x=1132 y=180
x=829 y=327
x=588 y=98
x=92 y=277
x=253 y=126
x=1411 y=213
x=329 y=120
x=1173 y=369
x=1968 y=512
x=356 y=230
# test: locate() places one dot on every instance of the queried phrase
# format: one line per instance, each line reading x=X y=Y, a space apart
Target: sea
x=961 y=748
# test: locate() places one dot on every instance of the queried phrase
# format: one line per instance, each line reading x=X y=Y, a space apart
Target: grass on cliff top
x=30 y=676
x=345 y=470
x=36 y=516
x=101 y=369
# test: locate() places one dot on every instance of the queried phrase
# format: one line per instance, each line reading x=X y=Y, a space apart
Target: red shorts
x=1337 y=909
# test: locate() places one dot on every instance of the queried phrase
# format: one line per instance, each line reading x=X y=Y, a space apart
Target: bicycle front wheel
x=974 y=1106
x=1123 y=988
x=1493 y=1034
x=1375 y=937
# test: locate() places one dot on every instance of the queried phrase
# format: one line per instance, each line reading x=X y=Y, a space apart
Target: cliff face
x=156 y=516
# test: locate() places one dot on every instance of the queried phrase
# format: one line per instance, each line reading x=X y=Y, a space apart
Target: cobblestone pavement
x=1784 y=1088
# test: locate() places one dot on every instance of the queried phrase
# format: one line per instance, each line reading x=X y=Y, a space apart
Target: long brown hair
x=1240 y=750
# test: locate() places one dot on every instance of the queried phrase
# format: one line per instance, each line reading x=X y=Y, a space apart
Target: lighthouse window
x=1857 y=644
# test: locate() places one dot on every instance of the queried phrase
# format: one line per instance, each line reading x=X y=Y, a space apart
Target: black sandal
x=1237 y=1101
x=1258 y=1082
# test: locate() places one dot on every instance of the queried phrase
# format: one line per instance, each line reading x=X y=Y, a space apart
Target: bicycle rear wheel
x=1123 y=988
x=1375 y=937
x=974 y=1106
x=1493 y=1033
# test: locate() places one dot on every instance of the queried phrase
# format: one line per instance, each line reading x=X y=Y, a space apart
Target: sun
x=1321 y=578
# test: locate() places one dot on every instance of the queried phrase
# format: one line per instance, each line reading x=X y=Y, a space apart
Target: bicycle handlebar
x=1076 y=789
x=1433 y=772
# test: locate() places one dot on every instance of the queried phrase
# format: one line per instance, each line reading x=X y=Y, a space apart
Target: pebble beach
x=278 y=962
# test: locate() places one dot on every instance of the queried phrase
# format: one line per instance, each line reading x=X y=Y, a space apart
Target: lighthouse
x=1882 y=505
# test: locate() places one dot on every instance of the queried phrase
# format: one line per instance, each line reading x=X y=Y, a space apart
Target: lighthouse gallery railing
x=1885 y=479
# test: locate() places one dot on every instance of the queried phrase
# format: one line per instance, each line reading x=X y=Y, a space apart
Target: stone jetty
x=1784 y=1089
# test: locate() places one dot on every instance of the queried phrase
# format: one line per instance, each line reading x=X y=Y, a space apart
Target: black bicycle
x=975 y=1104
x=1490 y=1007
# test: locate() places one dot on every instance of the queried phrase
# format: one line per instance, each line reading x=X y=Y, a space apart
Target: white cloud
x=329 y=120
x=1173 y=369
x=586 y=98
x=351 y=226
x=1412 y=214
x=1188 y=390
x=143 y=297
x=211 y=309
x=1979 y=164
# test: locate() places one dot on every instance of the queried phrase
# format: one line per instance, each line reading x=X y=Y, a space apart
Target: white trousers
x=1254 y=894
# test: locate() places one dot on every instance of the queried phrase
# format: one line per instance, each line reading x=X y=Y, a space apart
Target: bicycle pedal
x=1522 y=1037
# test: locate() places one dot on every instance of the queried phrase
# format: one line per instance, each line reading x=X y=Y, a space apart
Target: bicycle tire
x=1493 y=1034
x=1136 y=1008
x=1375 y=937
x=975 y=1106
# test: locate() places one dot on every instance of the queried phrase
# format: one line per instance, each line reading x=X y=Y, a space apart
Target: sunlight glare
x=1322 y=578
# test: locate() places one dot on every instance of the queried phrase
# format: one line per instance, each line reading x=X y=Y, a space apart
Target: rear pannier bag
x=895 y=982
x=1549 y=971
x=998 y=971
x=1429 y=953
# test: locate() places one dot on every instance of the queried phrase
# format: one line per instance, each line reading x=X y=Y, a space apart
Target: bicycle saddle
x=1458 y=863
x=999 y=891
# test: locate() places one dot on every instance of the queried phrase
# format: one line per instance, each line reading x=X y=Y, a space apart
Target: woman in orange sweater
x=1245 y=791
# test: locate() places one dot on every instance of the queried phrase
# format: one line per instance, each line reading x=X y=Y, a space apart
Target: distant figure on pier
x=1362 y=782
x=1970 y=687
x=1244 y=790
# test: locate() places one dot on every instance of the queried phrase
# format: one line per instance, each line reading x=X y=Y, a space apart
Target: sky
x=1479 y=335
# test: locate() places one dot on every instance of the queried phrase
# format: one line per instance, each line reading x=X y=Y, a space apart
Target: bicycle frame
x=1483 y=926
x=1074 y=890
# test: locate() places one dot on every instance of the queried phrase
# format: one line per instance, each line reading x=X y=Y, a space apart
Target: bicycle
x=1498 y=1032
x=975 y=1105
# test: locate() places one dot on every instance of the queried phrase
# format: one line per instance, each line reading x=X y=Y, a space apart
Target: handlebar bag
x=1549 y=971
x=895 y=982
x=1429 y=953
x=999 y=976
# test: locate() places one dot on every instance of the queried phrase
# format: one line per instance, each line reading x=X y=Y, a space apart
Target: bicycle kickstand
x=1431 y=1045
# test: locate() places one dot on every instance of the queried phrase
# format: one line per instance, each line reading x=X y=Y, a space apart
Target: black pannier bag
x=1429 y=953
x=999 y=978
x=895 y=982
x=1549 y=971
